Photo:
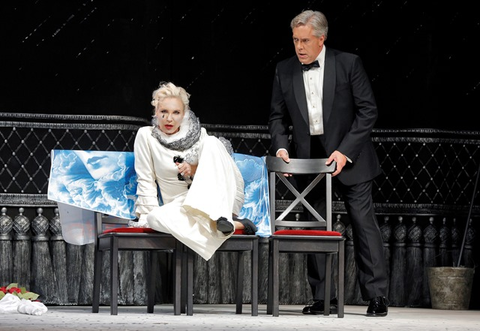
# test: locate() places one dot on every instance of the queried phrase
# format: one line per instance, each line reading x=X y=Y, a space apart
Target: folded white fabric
x=9 y=304
x=13 y=304
x=32 y=307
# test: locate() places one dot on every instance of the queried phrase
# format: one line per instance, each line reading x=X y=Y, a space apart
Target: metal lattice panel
x=425 y=171
x=26 y=146
x=246 y=139
x=427 y=168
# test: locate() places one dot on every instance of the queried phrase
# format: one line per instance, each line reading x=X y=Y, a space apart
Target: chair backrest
x=277 y=169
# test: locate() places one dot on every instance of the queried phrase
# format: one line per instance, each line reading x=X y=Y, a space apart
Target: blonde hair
x=170 y=90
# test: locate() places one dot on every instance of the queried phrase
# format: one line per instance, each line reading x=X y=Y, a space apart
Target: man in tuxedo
x=326 y=96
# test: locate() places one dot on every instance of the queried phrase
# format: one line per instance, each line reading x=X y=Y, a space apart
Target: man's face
x=307 y=46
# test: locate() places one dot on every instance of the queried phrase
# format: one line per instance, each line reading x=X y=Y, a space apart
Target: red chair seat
x=130 y=230
x=148 y=230
x=306 y=233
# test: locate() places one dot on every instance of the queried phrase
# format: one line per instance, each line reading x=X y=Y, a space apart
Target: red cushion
x=130 y=230
x=146 y=230
x=307 y=233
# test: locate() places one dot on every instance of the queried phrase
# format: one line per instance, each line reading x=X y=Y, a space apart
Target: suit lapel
x=329 y=81
x=299 y=90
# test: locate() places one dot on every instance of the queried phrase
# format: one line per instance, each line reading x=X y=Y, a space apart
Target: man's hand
x=340 y=159
x=284 y=155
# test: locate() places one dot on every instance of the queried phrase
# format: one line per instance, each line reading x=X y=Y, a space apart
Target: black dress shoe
x=223 y=225
x=378 y=307
x=318 y=308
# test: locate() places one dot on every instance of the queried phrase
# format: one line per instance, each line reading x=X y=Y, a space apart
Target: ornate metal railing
x=27 y=140
x=426 y=171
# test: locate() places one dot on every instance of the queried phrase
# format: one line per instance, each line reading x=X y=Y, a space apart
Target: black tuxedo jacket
x=349 y=113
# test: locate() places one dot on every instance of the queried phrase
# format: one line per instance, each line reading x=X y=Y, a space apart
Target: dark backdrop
x=106 y=57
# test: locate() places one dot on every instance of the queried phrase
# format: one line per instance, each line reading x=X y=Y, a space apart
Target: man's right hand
x=283 y=154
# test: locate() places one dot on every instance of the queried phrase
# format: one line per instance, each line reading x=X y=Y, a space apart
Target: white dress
x=188 y=214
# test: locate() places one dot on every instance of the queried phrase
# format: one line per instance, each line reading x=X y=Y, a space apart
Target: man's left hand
x=340 y=159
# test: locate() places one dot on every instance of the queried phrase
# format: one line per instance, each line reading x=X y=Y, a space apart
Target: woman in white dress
x=192 y=173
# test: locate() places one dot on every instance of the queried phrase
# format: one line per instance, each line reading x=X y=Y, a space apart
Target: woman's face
x=170 y=112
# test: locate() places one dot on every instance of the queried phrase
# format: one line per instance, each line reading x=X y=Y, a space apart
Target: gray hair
x=315 y=19
x=170 y=90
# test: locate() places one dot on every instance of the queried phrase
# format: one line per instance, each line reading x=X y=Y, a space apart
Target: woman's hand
x=186 y=169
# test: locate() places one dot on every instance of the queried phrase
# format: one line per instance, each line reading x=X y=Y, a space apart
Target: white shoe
x=138 y=224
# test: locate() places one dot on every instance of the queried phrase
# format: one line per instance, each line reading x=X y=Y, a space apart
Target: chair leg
x=114 y=276
x=184 y=278
x=328 y=283
x=151 y=282
x=255 y=278
x=275 y=279
x=178 y=283
x=341 y=279
x=270 y=279
x=189 y=282
x=97 y=268
x=240 y=274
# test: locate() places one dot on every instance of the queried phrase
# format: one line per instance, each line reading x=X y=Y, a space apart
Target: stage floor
x=223 y=317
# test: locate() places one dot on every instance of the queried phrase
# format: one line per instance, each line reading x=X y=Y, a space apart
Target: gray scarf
x=185 y=142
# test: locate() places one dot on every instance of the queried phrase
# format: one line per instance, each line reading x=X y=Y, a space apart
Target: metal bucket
x=450 y=287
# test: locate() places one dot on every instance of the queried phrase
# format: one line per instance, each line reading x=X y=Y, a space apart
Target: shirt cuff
x=281 y=149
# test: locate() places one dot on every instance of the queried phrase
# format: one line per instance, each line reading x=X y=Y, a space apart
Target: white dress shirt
x=313 y=81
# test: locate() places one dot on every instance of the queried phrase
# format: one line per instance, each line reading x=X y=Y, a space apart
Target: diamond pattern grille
x=431 y=170
x=425 y=171
x=25 y=146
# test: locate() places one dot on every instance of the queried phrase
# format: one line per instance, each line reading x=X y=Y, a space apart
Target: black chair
x=291 y=239
x=124 y=238
x=121 y=238
x=111 y=233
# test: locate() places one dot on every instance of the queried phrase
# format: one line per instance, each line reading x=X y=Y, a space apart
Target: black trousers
x=367 y=238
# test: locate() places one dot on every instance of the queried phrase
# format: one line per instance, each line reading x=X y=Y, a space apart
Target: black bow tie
x=314 y=64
